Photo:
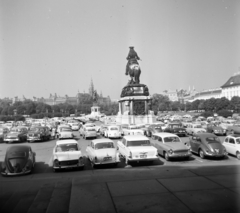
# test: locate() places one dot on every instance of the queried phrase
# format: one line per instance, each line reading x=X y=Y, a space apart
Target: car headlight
x=96 y=159
x=56 y=163
x=170 y=151
x=80 y=161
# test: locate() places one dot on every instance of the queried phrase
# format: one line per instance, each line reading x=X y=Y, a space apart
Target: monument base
x=136 y=119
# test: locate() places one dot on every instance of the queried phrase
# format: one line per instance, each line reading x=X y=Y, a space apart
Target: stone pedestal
x=134 y=105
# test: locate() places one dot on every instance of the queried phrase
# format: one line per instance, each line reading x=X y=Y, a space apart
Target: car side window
x=231 y=140
x=124 y=141
x=226 y=140
x=160 y=139
x=154 y=137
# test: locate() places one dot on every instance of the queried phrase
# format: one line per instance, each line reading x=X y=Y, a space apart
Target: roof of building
x=232 y=81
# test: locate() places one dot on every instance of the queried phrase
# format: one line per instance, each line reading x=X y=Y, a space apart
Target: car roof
x=102 y=140
x=234 y=135
x=135 y=137
x=66 y=141
x=204 y=134
x=164 y=134
x=21 y=148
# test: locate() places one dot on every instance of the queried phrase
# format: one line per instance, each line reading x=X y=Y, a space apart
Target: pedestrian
x=53 y=134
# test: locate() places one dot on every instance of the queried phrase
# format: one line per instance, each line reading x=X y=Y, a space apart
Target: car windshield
x=175 y=126
x=171 y=139
x=213 y=140
x=91 y=130
x=66 y=130
x=114 y=128
x=139 y=143
x=238 y=140
x=67 y=147
x=105 y=145
x=197 y=126
x=15 y=130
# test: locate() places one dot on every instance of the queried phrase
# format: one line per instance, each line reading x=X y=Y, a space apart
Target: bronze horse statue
x=134 y=71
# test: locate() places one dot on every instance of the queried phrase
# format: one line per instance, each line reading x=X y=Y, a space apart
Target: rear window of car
x=66 y=130
x=213 y=140
x=114 y=128
x=91 y=130
x=139 y=143
x=66 y=147
x=238 y=140
x=104 y=145
x=17 y=154
x=171 y=139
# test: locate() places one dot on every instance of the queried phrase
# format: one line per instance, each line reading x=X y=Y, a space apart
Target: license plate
x=107 y=158
x=143 y=156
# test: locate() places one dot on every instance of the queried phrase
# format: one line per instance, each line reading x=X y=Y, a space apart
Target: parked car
x=89 y=132
x=65 y=133
x=3 y=132
x=170 y=146
x=132 y=130
x=234 y=129
x=18 y=160
x=102 y=151
x=113 y=132
x=75 y=126
x=38 y=133
x=17 y=134
x=67 y=154
x=137 y=148
x=207 y=145
x=153 y=128
x=215 y=129
x=176 y=128
x=232 y=144
x=102 y=130
x=192 y=129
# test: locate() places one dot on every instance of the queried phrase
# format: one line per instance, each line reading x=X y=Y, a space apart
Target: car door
x=231 y=145
x=122 y=145
x=160 y=145
x=193 y=143
x=226 y=144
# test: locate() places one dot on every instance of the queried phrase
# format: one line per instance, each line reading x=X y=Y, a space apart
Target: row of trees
x=162 y=103
x=40 y=110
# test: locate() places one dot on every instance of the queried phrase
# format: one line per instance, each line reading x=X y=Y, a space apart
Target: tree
x=235 y=104
x=222 y=103
x=160 y=102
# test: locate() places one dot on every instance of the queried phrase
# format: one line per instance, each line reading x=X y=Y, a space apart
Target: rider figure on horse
x=132 y=59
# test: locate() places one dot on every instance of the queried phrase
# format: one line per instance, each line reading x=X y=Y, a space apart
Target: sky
x=57 y=46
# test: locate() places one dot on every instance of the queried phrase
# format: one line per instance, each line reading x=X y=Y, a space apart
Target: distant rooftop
x=233 y=81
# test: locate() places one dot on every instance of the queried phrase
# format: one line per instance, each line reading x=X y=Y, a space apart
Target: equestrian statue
x=133 y=68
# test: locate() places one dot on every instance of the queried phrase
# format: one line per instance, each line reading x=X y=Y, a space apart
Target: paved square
x=188 y=183
x=135 y=187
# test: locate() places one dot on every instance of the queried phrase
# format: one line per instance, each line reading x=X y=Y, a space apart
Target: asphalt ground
x=194 y=185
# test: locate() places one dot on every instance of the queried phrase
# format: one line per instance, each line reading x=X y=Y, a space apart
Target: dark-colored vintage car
x=18 y=160
x=17 y=134
x=151 y=129
x=215 y=129
x=177 y=129
x=234 y=129
x=207 y=145
x=38 y=134
x=3 y=132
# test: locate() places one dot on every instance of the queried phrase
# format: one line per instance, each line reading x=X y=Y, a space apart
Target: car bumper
x=11 y=139
x=179 y=155
x=115 y=136
x=216 y=155
x=7 y=173
x=65 y=136
x=68 y=166
x=105 y=162
x=143 y=159
x=33 y=138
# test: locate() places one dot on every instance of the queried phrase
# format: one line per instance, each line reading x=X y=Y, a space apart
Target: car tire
x=201 y=154
x=166 y=156
x=238 y=155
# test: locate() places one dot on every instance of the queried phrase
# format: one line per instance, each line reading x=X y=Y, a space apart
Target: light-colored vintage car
x=17 y=134
x=137 y=148
x=67 y=154
x=89 y=132
x=133 y=130
x=170 y=146
x=192 y=128
x=65 y=133
x=102 y=151
x=232 y=145
x=113 y=131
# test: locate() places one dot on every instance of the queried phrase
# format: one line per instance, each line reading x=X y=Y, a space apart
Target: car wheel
x=201 y=154
x=238 y=155
x=54 y=170
x=166 y=156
